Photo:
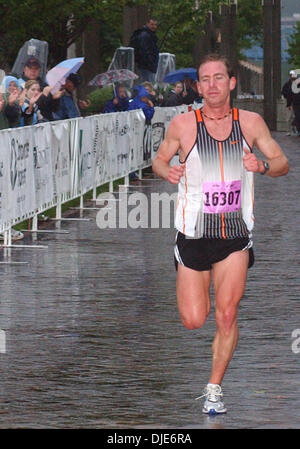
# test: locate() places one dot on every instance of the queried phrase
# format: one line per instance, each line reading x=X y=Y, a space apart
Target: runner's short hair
x=216 y=57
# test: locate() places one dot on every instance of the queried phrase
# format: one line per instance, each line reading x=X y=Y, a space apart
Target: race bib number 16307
x=223 y=196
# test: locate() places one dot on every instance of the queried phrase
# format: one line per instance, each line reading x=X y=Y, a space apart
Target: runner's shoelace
x=212 y=392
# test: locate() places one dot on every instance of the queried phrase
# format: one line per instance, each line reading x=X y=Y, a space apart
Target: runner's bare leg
x=193 y=296
x=229 y=278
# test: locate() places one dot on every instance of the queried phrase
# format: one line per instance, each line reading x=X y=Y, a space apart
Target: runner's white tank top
x=216 y=193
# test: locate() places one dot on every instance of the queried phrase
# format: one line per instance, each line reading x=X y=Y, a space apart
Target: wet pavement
x=93 y=337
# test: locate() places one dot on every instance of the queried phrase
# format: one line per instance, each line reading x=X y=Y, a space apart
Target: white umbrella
x=57 y=76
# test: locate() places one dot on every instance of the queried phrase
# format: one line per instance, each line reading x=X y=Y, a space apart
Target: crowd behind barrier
x=48 y=164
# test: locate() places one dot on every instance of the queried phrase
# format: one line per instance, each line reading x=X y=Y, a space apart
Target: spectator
x=153 y=96
x=12 y=98
x=69 y=108
x=174 y=97
x=3 y=118
x=8 y=103
x=144 y=42
x=142 y=101
x=190 y=92
x=49 y=103
x=31 y=115
x=287 y=94
x=10 y=83
x=32 y=70
x=119 y=103
x=295 y=102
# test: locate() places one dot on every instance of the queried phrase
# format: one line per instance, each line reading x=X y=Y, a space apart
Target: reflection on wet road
x=93 y=337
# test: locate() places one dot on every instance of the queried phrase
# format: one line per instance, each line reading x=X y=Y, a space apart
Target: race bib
x=220 y=197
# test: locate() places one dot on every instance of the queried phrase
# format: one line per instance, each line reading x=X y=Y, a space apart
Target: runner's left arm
x=270 y=149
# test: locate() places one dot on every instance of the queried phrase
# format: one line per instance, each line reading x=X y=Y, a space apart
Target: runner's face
x=214 y=83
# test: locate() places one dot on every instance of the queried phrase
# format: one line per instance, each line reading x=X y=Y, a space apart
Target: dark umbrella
x=112 y=76
x=180 y=75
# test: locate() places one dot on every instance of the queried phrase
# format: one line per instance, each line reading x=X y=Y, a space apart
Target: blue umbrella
x=180 y=75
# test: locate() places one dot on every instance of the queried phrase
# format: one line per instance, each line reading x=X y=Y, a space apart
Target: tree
x=294 y=46
x=249 y=24
x=59 y=22
x=182 y=22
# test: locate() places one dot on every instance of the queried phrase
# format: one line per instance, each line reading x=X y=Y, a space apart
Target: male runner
x=214 y=216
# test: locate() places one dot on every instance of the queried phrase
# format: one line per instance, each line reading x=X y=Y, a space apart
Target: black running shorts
x=201 y=254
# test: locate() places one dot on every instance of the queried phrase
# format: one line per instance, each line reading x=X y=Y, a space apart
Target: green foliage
x=180 y=23
x=98 y=98
x=249 y=23
x=294 y=47
x=61 y=22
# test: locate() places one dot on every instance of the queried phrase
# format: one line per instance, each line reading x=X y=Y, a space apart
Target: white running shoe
x=213 y=404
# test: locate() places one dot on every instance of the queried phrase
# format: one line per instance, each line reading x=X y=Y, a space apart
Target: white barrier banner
x=4 y=168
x=101 y=168
x=61 y=165
x=19 y=191
x=122 y=130
x=110 y=145
x=117 y=144
x=160 y=122
x=74 y=159
x=137 y=127
x=147 y=143
x=43 y=174
x=40 y=163
x=86 y=155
